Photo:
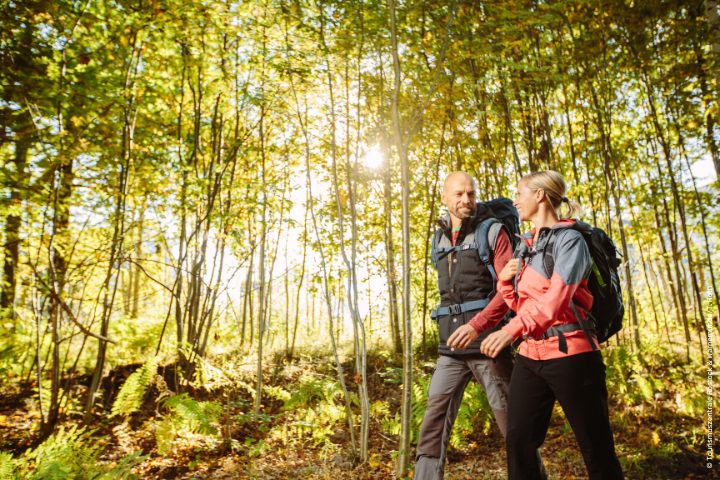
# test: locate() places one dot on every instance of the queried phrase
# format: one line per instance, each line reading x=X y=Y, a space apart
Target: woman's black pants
x=578 y=384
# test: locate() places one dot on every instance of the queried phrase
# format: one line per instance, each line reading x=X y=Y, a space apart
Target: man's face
x=459 y=196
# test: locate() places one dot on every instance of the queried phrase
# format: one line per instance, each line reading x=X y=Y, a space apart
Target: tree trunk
x=712 y=16
x=13 y=221
x=394 y=310
x=263 y=241
x=406 y=418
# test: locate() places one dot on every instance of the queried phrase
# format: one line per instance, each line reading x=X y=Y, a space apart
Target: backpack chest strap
x=459 y=308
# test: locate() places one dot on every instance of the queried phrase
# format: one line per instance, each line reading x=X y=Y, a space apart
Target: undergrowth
x=68 y=454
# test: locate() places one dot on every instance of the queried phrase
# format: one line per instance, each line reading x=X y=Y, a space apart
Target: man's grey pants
x=447 y=387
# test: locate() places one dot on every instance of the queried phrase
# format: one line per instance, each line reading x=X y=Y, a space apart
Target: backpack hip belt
x=560 y=330
x=459 y=308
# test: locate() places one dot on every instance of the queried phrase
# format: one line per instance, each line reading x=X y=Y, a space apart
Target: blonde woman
x=557 y=359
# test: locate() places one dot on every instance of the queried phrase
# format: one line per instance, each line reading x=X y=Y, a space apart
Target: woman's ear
x=539 y=195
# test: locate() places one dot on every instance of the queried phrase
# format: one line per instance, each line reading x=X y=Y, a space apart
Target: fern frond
x=66 y=454
x=278 y=393
x=186 y=415
x=645 y=390
x=197 y=417
x=7 y=466
x=133 y=391
x=124 y=469
x=165 y=433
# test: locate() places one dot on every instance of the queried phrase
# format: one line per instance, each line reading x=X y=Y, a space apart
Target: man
x=467 y=287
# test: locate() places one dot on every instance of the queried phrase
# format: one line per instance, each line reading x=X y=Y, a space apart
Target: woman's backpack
x=604 y=282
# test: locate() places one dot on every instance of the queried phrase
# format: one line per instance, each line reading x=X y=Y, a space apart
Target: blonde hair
x=552 y=183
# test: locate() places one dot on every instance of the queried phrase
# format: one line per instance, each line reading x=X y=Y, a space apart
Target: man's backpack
x=499 y=210
x=604 y=282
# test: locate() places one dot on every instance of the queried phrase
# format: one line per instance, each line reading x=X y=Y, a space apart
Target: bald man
x=467 y=302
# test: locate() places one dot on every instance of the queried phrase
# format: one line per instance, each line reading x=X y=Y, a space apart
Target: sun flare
x=373 y=158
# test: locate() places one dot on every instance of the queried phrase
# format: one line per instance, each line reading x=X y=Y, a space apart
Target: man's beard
x=464 y=213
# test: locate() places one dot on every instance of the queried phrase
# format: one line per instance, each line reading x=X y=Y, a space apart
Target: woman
x=556 y=359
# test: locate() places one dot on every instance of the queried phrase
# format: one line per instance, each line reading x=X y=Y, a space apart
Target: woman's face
x=526 y=201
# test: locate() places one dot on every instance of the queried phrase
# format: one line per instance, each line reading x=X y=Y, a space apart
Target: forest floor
x=653 y=441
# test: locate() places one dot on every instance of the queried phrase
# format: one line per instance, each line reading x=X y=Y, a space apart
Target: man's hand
x=510 y=270
x=462 y=337
x=495 y=343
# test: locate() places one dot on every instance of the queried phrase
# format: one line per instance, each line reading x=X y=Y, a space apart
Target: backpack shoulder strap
x=434 y=252
x=549 y=250
x=482 y=239
x=493 y=234
x=549 y=255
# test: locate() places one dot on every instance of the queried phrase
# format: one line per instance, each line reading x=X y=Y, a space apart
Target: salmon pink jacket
x=542 y=301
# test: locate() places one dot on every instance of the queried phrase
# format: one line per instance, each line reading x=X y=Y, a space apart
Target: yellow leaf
x=655 y=439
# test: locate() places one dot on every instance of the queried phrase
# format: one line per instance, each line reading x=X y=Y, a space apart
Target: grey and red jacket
x=463 y=278
x=543 y=300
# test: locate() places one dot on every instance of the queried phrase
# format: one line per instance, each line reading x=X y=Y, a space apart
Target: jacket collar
x=546 y=231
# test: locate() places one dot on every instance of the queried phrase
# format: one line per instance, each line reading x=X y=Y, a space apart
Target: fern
x=645 y=391
x=69 y=454
x=419 y=404
x=278 y=393
x=133 y=391
x=197 y=417
x=165 y=433
x=7 y=466
x=312 y=390
x=391 y=424
x=186 y=415
x=64 y=455
x=473 y=408
x=123 y=470
x=317 y=407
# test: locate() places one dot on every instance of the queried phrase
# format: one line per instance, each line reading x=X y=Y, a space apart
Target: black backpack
x=604 y=282
x=499 y=210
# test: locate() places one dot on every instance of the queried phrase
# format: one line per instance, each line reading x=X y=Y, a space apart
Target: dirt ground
x=652 y=442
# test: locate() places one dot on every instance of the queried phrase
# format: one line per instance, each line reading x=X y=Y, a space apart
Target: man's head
x=458 y=196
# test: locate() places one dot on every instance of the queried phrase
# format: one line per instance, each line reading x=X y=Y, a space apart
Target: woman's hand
x=462 y=337
x=495 y=343
x=510 y=270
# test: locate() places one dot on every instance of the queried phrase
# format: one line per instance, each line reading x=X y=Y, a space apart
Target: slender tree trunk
x=429 y=233
x=703 y=224
x=609 y=164
x=136 y=270
x=394 y=310
x=323 y=263
x=711 y=69
x=675 y=255
x=247 y=311
x=404 y=454
x=261 y=259
x=301 y=279
x=712 y=16
x=116 y=247
x=13 y=221
x=644 y=263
